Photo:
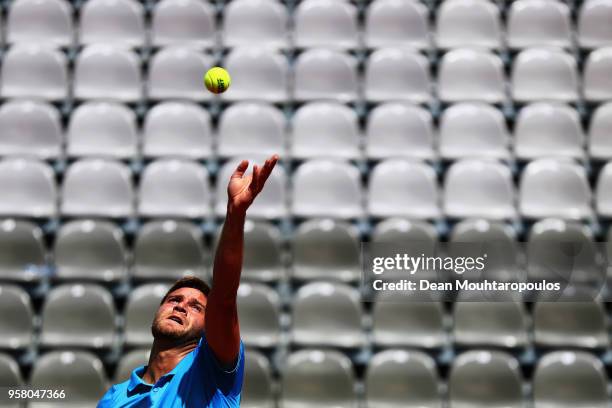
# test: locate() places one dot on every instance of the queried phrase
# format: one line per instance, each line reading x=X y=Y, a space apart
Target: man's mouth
x=176 y=319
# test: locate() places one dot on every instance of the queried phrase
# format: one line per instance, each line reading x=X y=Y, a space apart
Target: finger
x=254 y=186
x=239 y=172
x=267 y=169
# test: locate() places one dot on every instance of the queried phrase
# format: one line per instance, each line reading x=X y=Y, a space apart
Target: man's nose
x=180 y=308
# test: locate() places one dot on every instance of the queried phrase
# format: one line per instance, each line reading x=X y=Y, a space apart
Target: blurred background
x=396 y=121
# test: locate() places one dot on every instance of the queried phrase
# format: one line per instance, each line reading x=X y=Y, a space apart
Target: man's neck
x=164 y=357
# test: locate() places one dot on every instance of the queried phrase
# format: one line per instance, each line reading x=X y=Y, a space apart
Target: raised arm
x=222 y=329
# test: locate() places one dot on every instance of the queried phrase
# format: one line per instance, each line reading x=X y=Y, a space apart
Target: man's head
x=181 y=313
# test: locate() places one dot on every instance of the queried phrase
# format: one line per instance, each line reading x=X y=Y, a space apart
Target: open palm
x=243 y=189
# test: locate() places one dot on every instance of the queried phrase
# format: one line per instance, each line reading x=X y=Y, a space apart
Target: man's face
x=181 y=317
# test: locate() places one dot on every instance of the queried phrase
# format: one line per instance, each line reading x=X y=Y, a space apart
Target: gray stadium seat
x=326 y=249
x=600 y=144
x=321 y=73
x=48 y=22
x=535 y=23
x=324 y=188
x=263 y=253
x=251 y=128
x=596 y=78
x=594 y=29
x=102 y=129
x=554 y=188
x=481 y=379
x=396 y=129
x=129 y=362
x=258 y=390
x=34 y=71
x=10 y=376
x=22 y=251
x=473 y=130
x=169 y=250
x=97 y=187
x=399 y=187
x=463 y=23
x=17 y=325
x=259 y=315
x=174 y=188
x=603 y=196
x=565 y=379
x=402 y=379
x=28 y=188
x=318 y=378
x=78 y=315
x=30 y=127
x=325 y=23
x=183 y=22
x=120 y=23
x=140 y=310
x=321 y=308
x=177 y=129
x=90 y=250
x=255 y=23
x=325 y=129
x=397 y=23
x=80 y=374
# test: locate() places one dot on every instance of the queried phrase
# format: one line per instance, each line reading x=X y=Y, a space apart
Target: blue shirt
x=197 y=381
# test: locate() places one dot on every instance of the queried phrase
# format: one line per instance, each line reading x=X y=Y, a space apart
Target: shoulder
x=114 y=392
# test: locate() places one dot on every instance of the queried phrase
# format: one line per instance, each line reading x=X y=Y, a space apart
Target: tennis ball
x=217 y=80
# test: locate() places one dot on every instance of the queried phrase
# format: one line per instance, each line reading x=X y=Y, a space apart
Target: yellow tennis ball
x=217 y=80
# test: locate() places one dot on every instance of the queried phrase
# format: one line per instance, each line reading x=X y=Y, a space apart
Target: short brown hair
x=188 y=282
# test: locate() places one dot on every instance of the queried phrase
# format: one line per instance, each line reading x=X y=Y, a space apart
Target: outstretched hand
x=243 y=189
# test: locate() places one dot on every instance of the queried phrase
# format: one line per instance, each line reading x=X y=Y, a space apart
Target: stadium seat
x=481 y=378
x=104 y=72
x=325 y=129
x=397 y=23
x=17 y=319
x=539 y=23
x=473 y=130
x=174 y=70
x=258 y=74
x=174 y=188
x=168 y=250
x=478 y=323
x=564 y=379
x=22 y=251
x=10 y=375
x=255 y=23
x=548 y=129
x=321 y=308
x=102 y=129
x=258 y=391
x=597 y=86
x=399 y=187
x=396 y=129
x=479 y=188
x=563 y=251
x=28 y=188
x=263 y=253
x=177 y=129
x=402 y=379
x=466 y=74
x=468 y=23
x=594 y=29
x=321 y=73
x=90 y=250
x=554 y=188
x=318 y=378
x=47 y=22
x=97 y=188
x=140 y=310
x=570 y=324
x=603 y=195
x=183 y=22
x=263 y=124
x=120 y=23
x=544 y=74
x=259 y=315
x=270 y=204
x=600 y=143
x=30 y=127
x=34 y=71
x=129 y=362
x=325 y=23
x=78 y=315
x=325 y=249
x=325 y=188
x=397 y=74
x=78 y=373
x=398 y=321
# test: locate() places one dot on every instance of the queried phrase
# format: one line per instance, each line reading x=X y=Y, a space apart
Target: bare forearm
x=228 y=258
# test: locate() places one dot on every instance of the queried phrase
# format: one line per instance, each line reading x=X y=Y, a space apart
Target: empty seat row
x=464 y=74
x=315 y=23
